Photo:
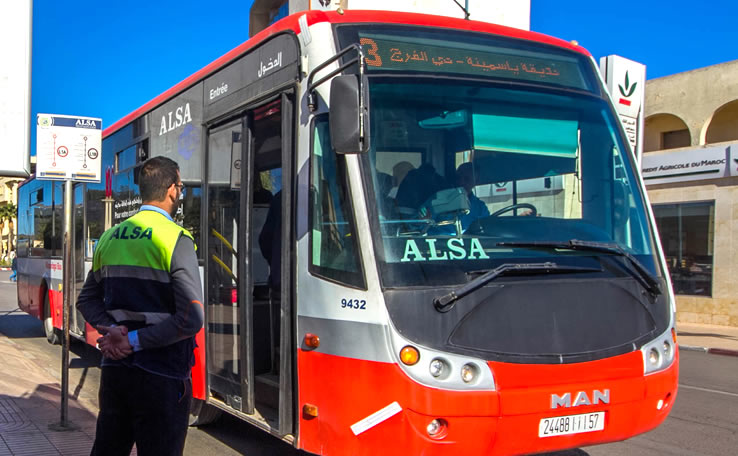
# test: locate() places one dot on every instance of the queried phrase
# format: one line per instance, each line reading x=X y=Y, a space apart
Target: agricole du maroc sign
x=691 y=164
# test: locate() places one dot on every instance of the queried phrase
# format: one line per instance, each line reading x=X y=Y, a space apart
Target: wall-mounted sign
x=626 y=82
x=68 y=147
x=690 y=165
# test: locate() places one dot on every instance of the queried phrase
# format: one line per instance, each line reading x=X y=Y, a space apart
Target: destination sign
x=391 y=53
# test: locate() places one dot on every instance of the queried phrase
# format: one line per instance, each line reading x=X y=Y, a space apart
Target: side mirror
x=349 y=120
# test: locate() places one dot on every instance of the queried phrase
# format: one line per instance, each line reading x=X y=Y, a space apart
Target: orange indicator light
x=309 y=411
x=409 y=355
x=312 y=340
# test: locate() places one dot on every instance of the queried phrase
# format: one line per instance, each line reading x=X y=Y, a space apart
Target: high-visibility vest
x=133 y=262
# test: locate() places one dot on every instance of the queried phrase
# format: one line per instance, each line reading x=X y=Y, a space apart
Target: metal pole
x=68 y=292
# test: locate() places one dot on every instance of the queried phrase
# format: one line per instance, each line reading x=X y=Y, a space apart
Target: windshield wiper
x=638 y=271
x=445 y=303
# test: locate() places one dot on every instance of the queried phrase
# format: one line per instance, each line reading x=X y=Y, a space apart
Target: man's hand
x=114 y=343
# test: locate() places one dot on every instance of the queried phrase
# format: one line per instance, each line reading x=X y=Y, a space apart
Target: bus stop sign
x=68 y=147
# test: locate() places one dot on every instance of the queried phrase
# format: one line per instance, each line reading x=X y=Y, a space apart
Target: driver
x=477 y=208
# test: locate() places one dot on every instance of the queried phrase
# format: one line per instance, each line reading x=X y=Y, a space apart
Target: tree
x=4 y=214
x=7 y=212
x=12 y=216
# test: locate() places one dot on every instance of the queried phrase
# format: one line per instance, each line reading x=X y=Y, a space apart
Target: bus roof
x=349 y=16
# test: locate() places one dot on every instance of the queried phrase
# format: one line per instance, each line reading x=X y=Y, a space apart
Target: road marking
x=707 y=390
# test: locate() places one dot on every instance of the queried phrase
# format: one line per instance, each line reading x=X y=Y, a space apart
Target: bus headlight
x=660 y=353
x=447 y=371
x=667 y=349
x=654 y=357
x=469 y=373
x=437 y=368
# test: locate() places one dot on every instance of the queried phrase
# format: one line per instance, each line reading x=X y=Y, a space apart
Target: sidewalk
x=719 y=340
x=30 y=397
x=30 y=400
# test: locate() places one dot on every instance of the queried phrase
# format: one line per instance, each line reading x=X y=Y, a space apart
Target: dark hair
x=156 y=176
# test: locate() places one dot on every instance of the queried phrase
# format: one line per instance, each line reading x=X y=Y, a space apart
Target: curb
x=712 y=351
x=722 y=351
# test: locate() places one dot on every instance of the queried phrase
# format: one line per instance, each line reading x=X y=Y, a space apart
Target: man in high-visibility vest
x=145 y=296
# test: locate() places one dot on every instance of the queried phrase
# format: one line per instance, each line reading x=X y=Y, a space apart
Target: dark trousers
x=148 y=409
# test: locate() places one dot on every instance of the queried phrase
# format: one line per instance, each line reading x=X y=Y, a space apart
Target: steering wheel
x=512 y=207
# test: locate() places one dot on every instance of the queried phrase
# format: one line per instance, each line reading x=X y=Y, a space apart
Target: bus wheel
x=202 y=413
x=52 y=334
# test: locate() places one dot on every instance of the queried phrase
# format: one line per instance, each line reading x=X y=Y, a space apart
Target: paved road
x=704 y=420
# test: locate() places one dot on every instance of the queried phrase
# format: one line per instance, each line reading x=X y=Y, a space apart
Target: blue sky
x=106 y=59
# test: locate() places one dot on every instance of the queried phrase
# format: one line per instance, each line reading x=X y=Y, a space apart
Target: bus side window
x=334 y=250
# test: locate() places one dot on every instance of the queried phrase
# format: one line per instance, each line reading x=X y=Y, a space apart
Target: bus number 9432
x=358 y=304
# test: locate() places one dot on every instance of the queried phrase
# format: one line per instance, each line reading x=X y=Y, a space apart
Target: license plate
x=571 y=424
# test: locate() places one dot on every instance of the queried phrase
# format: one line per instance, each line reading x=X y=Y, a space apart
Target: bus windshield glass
x=462 y=169
x=458 y=169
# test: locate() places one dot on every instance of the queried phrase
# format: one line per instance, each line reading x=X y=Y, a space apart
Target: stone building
x=690 y=167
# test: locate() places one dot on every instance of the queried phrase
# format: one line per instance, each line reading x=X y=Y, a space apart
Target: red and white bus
x=463 y=256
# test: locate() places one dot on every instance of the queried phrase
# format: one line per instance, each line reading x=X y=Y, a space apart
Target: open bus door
x=249 y=326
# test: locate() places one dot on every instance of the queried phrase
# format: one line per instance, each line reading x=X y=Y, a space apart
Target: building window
x=675 y=139
x=687 y=235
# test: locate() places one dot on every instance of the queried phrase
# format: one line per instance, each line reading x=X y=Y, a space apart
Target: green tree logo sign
x=626 y=91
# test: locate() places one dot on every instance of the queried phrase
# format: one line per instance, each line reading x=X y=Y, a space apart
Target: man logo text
x=580 y=398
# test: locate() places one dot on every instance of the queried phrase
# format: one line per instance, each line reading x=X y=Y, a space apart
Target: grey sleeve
x=91 y=302
x=188 y=315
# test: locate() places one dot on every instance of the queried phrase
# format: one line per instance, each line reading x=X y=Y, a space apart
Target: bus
x=416 y=235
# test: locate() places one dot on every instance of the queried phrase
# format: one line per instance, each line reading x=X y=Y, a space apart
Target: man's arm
x=478 y=208
x=188 y=315
x=91 y=303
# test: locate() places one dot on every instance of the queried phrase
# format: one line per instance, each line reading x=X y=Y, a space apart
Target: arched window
x=665 y=131
x=724 y=124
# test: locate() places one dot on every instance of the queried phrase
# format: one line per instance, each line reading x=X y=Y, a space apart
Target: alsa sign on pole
x=626 y=82
x=68 y=147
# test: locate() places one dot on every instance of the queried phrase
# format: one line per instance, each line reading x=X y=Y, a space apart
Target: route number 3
x=372 y=59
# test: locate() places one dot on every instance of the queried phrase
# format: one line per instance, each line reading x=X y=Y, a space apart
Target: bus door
x=226 y=376
x=268 y=217
x=246 y=325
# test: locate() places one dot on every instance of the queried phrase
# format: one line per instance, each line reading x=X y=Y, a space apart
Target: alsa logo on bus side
x=85 y=123
x=136 y=233
x=174 y=119
x=452 y=249
x=581 y=398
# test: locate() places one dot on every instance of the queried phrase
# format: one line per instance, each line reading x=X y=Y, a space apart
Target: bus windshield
x=461 y=171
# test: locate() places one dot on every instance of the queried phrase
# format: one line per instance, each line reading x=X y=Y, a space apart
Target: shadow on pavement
x=242 y=438
x=18 y=325
x=574 y=452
